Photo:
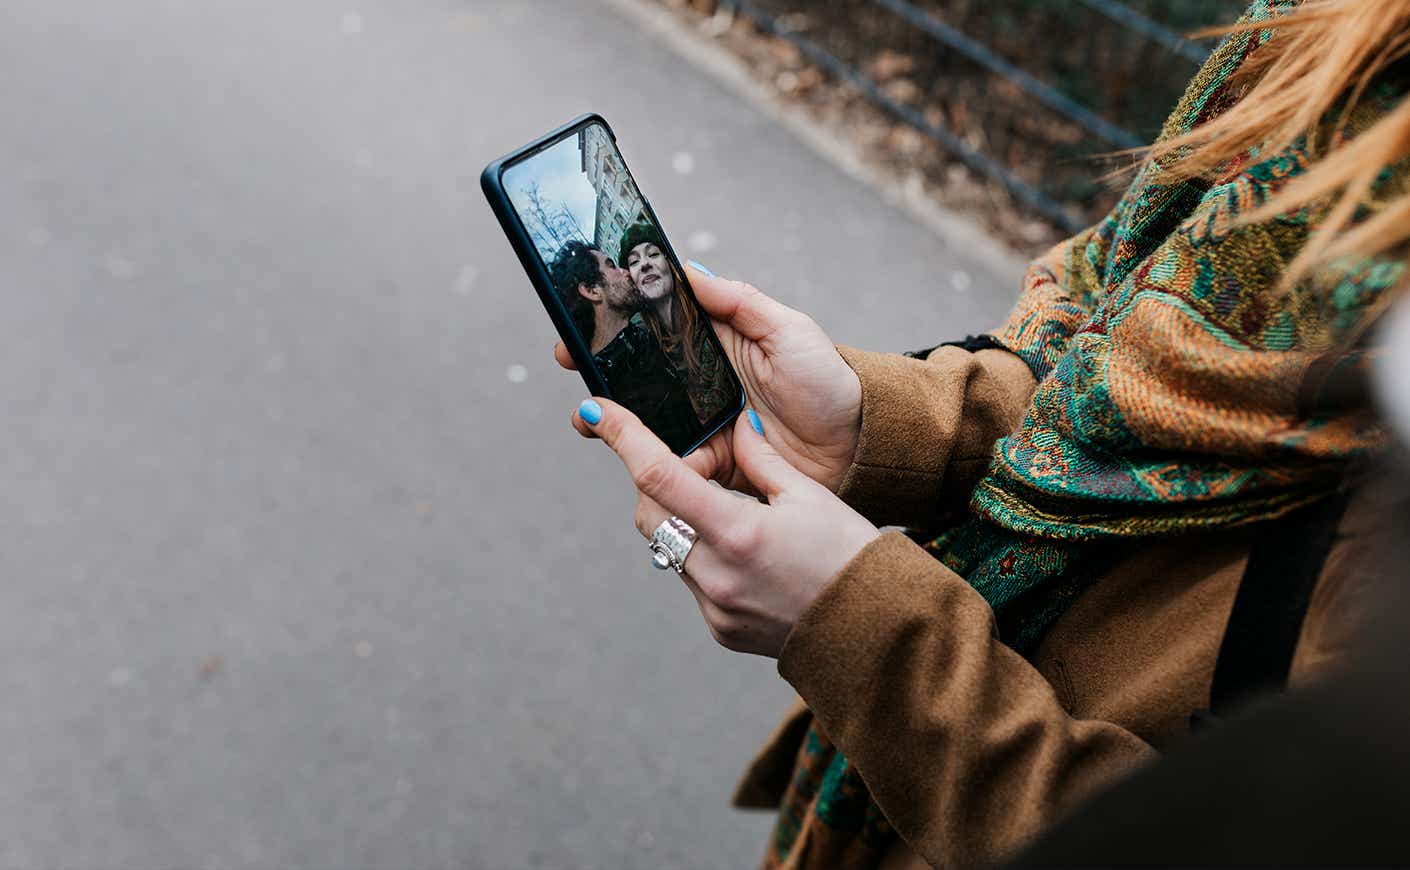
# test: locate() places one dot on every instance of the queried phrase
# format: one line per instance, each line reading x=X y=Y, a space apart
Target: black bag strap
x=971 y=343
x=1284 y=565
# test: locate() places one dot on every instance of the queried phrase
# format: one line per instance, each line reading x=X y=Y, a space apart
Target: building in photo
x=618 y=202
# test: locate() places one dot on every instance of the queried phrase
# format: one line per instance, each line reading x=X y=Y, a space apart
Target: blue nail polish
x=699 y=268
x=590 y=411
x=754 y=420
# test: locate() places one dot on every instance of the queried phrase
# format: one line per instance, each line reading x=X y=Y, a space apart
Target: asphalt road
x=302 y=565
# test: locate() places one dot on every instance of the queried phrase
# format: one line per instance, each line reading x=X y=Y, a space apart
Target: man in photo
x=599 y=294
x=607 y=310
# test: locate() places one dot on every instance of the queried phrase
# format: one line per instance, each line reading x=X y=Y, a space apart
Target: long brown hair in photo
x=685 y=337
x=1319 y=57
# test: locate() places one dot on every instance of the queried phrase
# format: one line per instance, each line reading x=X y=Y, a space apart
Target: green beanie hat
x=634 y=235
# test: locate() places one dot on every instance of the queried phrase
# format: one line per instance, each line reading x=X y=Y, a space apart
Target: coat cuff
x=874 y=590
x=961 y=742
x=928 y=428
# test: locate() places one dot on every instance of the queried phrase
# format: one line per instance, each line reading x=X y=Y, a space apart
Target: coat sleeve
x=961 y=742
x=928 y=429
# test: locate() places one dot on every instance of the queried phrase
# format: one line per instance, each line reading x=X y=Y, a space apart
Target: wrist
x=850 y=429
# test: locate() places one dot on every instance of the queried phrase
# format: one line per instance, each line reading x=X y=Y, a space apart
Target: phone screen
x=611 y=267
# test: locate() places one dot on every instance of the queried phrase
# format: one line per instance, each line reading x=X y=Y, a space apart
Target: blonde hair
x=1316 y=58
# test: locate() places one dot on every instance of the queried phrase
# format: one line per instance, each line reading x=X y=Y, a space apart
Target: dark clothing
x=1318 y=778
x=643 y=378
x=712 y=394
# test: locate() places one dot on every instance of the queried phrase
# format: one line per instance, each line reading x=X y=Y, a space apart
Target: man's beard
x=630 y=302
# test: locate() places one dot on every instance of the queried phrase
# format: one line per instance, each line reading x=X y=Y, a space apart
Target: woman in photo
x=672 y=319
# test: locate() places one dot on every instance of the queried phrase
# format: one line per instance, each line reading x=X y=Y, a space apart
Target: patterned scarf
x=1178 y=391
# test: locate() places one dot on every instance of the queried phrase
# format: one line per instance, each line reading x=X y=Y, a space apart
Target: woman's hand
x=755 y=566
x=808 y=398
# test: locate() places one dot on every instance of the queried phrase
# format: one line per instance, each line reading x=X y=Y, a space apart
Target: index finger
x=661 y=475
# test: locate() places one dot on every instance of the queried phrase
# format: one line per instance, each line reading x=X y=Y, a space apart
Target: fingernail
x=590 y=411
x=754 y=420
x=699 y=268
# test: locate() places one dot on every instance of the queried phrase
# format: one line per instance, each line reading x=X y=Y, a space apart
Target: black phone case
x=491 y=183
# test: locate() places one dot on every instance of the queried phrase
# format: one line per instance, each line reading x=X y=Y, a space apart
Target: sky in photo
x=558 y=171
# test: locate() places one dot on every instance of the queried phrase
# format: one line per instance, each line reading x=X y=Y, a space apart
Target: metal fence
x=1025 y=92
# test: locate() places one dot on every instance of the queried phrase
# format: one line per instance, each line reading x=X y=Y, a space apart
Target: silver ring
x=670 y=544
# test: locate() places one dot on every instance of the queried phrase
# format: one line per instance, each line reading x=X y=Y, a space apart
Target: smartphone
x=611 y=282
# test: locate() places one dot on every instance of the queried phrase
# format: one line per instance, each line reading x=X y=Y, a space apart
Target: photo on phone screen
x=631 y=306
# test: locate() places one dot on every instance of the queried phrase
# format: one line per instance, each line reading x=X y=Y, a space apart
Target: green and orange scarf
x=1178 y=391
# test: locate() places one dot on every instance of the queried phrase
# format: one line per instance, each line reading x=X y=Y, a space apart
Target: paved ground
x=299 y=569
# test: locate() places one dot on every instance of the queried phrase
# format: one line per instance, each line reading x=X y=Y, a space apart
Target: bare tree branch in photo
x=549 y=228
x=538 y=221
x=571 y=226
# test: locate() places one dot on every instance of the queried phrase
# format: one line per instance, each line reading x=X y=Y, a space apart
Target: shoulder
x=629 y=346
x=638 y=337
x=638 y=332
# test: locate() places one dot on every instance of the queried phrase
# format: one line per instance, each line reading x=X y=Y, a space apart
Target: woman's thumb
x=719 y=296
x=770 y=473
x=744 y=307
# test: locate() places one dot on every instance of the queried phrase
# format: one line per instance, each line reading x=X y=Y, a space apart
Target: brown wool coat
x=968 y=748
